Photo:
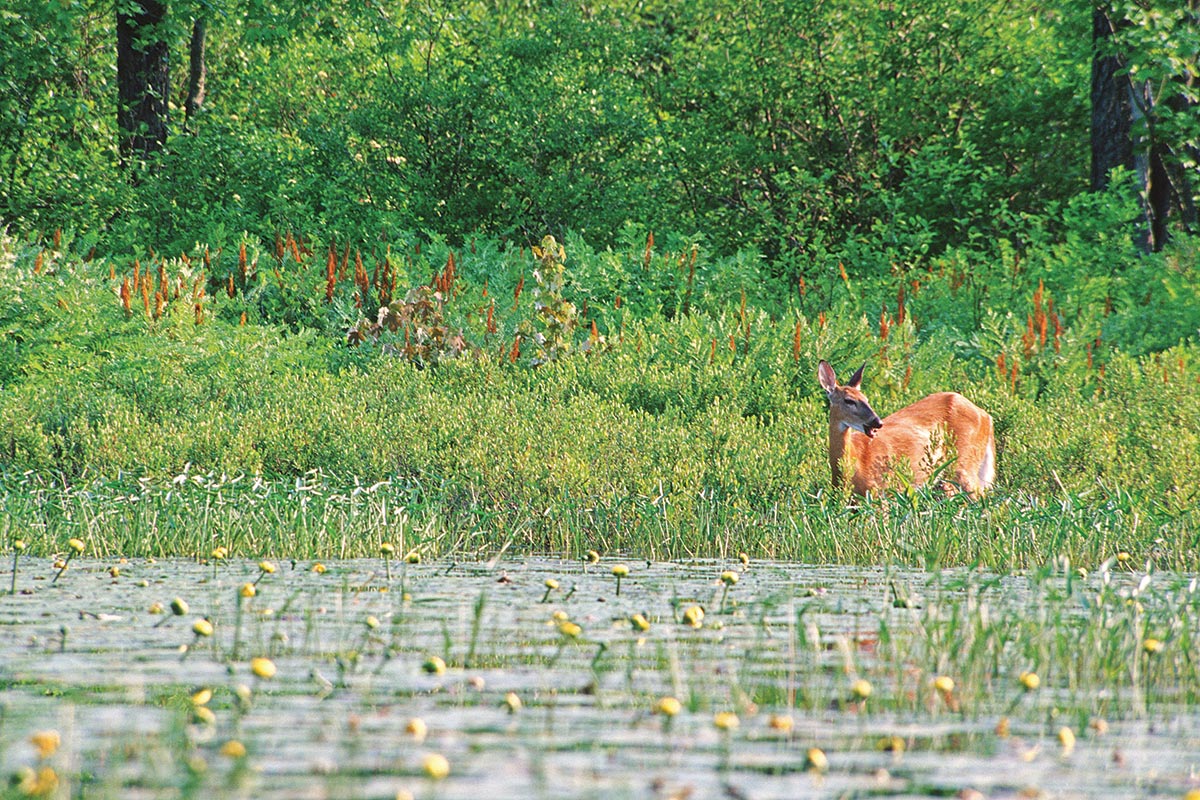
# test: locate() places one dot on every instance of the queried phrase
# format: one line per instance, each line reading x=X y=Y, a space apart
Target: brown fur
x=915 y=439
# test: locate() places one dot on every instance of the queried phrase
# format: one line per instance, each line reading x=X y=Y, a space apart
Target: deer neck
x=842 y=444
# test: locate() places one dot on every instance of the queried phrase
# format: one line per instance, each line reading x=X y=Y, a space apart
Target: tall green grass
x=317 y=516
x=658 y=433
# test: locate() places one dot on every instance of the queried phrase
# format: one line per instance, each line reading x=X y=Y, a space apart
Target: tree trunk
x=197 y=71
x=143 y=80
x=1112 y=114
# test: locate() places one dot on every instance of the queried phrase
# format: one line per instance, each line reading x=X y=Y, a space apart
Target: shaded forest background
x=872 y=134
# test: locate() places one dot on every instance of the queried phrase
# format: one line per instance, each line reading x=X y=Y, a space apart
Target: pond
x=795 y=681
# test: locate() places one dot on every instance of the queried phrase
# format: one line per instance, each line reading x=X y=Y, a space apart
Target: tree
x=197 y=70
x=1145 y=93
x=143 y=78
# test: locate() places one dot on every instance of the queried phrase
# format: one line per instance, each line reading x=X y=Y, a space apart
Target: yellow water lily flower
x=436 y=766
x=233 y=749
x=726 y=720
x=417 y=729
x=816 y=759
x=667 y=706
x=263 y=667
x=781 y=722
x=46 y=743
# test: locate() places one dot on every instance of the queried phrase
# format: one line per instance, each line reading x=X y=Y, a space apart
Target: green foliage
x=742 y=191
x=677 y=426
x=555 y=318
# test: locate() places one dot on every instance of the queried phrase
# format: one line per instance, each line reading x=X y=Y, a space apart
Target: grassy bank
x=513 y=402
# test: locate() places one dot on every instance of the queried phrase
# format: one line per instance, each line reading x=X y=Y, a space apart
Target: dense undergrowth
x=647 y=398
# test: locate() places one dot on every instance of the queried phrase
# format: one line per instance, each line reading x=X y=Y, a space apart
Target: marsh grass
x=319 y=516
x=692 y=434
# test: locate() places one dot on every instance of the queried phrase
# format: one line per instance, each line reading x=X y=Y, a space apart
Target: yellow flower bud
x=263 y=667
x=233 y=749
x=726 y=720
x=46 y=743
x=417 y=728
x=667 y=706
x=781 y=722
x=436 y=766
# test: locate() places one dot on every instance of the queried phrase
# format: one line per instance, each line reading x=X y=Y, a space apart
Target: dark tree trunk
x=1112 y=113
x=197 y=71
x=143 y=80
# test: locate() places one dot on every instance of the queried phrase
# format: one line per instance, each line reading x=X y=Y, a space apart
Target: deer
x=917 y=437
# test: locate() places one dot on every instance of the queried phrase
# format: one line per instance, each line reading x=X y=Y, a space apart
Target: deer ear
x=826 y=377
x=856 y=379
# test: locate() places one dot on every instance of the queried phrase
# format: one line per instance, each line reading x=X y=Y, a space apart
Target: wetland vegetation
x=534 y=677
x=433 y=411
